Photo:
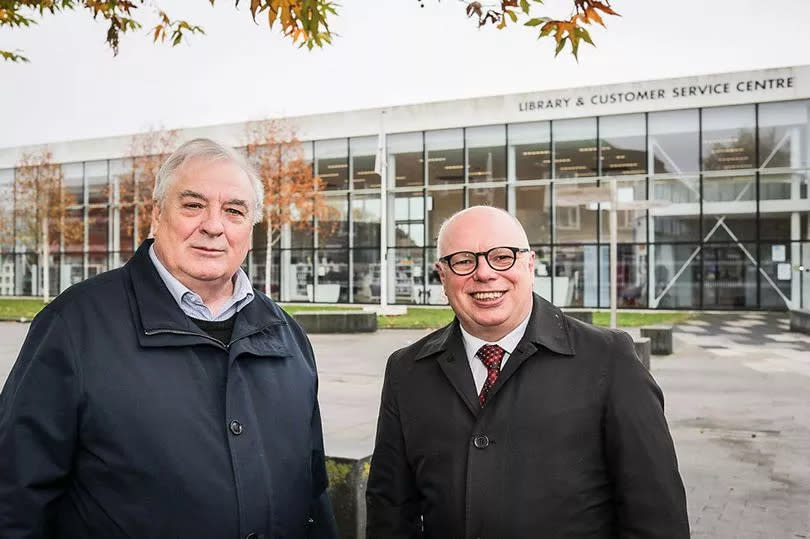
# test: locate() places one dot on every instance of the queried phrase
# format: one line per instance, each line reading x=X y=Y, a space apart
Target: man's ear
x=155 y=217
x=440 y=269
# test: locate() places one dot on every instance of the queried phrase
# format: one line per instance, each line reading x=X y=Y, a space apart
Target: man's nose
x=212 y=224
x=483 y=272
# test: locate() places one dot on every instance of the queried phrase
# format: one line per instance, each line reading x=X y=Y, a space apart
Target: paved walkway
x=737 y=399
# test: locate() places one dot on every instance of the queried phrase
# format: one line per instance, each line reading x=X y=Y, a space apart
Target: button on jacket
x=572 y=441
x=121 y=418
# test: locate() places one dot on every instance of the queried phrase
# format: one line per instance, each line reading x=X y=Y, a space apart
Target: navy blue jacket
x=113 y=423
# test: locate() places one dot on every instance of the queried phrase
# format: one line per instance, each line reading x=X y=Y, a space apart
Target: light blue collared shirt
x=192 y=304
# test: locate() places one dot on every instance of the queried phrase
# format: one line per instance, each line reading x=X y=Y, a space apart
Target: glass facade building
x=729 y=226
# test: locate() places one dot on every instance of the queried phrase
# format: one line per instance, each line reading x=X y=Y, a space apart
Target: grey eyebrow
x=192 y=194
x=232 y=202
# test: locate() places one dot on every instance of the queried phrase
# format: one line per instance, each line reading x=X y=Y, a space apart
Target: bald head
x=470 y=221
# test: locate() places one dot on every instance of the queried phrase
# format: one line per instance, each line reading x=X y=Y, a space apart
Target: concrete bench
x=642 y=346
x=347 y=491
x=660 y=339
x=582 y=316
x=800 y=320
x=337 y=321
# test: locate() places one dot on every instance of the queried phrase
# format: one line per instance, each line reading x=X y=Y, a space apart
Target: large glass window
x=332 y=266
x=73 y=182
x=530 y=148
x=631 y=225
x=364 y=152
x=729 y=276
x=495 y=197
x=409 y=220
x=440 y=206
x=366 y=220
x=631 y=276
x=333 y=229
x=575 y=151
x=332 y=163
x=405 y=159
x=673 y=139
x=575 y=276
x=486 y=153
x=675 y=278
x=622 y=144
x=445 y=155
x=366 y=275
x=783 y=134
x=575 y=217
x=728 y=138
x=406 y=279
x=95 y=174
x=98 y=224
x=533 y=210
x=299 y=283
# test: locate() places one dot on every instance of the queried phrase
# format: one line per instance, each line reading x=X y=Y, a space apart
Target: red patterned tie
x=491 y=356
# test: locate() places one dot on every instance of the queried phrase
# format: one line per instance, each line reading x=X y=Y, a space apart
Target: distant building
x=725 y=155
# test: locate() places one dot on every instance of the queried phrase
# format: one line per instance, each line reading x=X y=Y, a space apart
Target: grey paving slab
x=736 y=405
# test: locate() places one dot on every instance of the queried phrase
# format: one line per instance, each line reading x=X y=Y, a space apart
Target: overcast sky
x=388 y=52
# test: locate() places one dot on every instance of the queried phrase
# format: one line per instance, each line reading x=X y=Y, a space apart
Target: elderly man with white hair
x=168 y=398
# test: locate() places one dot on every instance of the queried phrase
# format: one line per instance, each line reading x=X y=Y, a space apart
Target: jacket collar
x=158 y=313
x=547 y=328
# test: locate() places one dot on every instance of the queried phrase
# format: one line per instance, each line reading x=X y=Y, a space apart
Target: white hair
x=446 y=223
x=208 y=149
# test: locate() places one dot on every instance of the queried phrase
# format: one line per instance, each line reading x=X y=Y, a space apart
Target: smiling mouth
x=484 y=296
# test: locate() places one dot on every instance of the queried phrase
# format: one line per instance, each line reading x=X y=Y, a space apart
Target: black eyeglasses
x=499 y=258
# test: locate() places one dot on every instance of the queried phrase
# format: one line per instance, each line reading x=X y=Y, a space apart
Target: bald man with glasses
x=516 y=421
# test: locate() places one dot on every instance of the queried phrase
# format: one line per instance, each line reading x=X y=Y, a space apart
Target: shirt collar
x=190 y=302
x=508 y=342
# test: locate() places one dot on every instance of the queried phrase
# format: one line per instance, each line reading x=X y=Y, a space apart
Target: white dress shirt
x=472 y=344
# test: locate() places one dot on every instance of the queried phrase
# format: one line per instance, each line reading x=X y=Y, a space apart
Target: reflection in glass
x=333 y=231
x=486 y=153
x=774 y=297
x=622 y=144
x=73 y=182
x=575 y=152
x=405 y=159
x=631 y=225
x=783 y=186
x=406 y=278
x=95 y=173
x=98 y=222
x=364 y=151
x=542 y=273
x=575 y=276
x=332 y=284
x=716 y=226
x=673 y=139
x=366 y=220
x=533 y=211
x=783 y=135
x=675 y=227
x=409 y=219
x=728 y=138
x=332 y=163
x=631 y=276
x=676 y=276
x=729 y=277
x=445 y=155
x=433 y=293
x=495 y=197
x=366 y=275
x=774 y=226
x=440 y=206
x=729 y=188
x=530 y=144
x=299 y=285
x=259 y=275
x=72 y=227
x=574 y=220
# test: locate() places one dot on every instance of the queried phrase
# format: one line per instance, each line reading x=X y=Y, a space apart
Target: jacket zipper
x=221 y=344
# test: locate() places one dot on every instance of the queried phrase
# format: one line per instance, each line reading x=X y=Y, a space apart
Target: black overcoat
x=122 y=419
x=572 y=442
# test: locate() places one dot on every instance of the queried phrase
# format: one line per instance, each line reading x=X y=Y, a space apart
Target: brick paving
x=737 y=395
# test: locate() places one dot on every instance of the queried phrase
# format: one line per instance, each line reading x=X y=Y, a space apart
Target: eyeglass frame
x=515 y=252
